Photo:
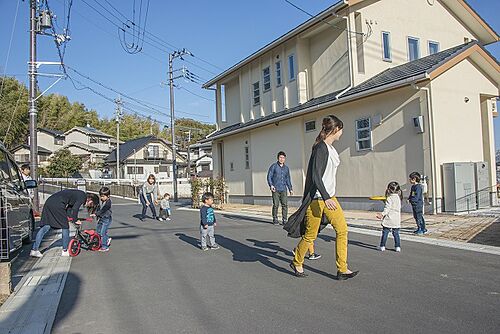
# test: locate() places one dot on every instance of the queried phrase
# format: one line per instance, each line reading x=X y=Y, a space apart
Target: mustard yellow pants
x=313 y=220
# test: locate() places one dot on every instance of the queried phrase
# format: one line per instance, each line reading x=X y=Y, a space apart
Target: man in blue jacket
x=278 y=179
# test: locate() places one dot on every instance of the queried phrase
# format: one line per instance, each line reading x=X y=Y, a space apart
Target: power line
x=203 y=97
x=10 y=45
x=328 y=23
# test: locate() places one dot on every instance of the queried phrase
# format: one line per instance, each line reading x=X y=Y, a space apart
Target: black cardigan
x=316 y=167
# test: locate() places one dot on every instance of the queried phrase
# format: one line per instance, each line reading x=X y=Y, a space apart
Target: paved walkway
x=442 y=226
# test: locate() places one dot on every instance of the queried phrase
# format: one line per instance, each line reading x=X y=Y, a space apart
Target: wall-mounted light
x=277 y=123
x=466 y=99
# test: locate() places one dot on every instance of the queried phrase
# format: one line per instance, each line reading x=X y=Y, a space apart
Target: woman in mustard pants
x=319 y=204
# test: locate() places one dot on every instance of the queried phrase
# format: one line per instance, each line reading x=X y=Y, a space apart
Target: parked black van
x=17 y=222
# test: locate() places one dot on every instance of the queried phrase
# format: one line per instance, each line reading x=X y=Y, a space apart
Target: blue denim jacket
x=279 y=177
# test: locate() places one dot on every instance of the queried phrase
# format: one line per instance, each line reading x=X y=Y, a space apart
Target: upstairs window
x=363 y=134
x=278 y=73
x=256 y=93
x=58 y=141
x=266 y=78
x=310 y=126
x=413 y=48
x=291 y=67
x=386 y=46
x=433 y=47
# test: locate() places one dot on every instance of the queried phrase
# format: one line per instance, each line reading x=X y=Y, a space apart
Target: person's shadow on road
x=328 y=238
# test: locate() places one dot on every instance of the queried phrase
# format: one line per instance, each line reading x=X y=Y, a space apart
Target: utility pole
x=32 y=102
x=171 y=57
x=118 y=114
x=189 y=154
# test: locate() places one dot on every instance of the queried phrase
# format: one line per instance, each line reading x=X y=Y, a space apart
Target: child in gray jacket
x=391 y=216
x=165 y=212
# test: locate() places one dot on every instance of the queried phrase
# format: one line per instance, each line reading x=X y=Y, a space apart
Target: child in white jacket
x=391 y=216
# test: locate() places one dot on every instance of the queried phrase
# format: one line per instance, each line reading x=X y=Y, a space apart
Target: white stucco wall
x=460 y=133
x=421 y=20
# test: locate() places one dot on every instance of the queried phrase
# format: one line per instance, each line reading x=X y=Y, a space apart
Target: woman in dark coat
x=319 y=204
x=57 y=210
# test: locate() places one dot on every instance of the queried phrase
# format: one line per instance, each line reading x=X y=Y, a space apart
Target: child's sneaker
x=215 y=247
x=104 y=250
x=398 y=249
x=160 y=219
x=64 y=253
x=36 y=253
x=314 y=256
x=381 y=248
x=204 y=248
x=168 y=219
x=109 y=241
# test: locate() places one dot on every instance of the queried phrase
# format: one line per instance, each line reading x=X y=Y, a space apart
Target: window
x=93 y=140
x=231 y=166
x=413 y=48
x=247 y=157
x=4 y=167
x=256 y=93
x=43 y=158
x=291 y=67
x=14 y=174
x=223 y=103
x=310 y=126
x=266 y=78
x=363 y=134
x=161 y=169
x=433 y=47
x=152 y=152
x=135 y=170
x=386 y=46
x=58 y=141
x=278 y=73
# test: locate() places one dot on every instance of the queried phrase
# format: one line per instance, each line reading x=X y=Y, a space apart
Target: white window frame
x=408 y=47
x=279 y=79
x=388 y=34
x=358 y=130
x=291 y=69
x=256 y=93
x=307 y=122
x=429 y=47
x=268 y=76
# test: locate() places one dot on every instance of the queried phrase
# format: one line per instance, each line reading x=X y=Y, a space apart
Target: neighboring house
x=143 y=156
x=21 y=154
x=413 y=91
x=52 y=140
x=201 y=158
x=91 y=144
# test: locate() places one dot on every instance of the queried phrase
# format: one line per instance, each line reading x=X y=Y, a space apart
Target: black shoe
x=276 y=223
x=343 y=277
x=297 y=273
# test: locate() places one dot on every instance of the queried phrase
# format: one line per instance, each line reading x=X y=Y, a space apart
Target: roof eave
x=341 y=100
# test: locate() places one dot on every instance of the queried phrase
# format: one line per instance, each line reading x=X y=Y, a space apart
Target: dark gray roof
x=90 y=131
x=54 y=133
x=385 y=78
x=41 y=150
x=85 y=147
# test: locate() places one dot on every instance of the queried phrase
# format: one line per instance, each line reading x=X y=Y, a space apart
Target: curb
x=355 y=228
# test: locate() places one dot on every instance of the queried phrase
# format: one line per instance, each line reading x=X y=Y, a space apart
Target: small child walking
x=104 y=216
x=391 y=216
x=208 y=222
x=416 y=200
x=165 y=212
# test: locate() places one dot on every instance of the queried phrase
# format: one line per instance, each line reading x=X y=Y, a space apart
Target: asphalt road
x=155 y=279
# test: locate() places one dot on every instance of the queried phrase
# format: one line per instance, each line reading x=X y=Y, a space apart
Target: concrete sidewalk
x=441 y=226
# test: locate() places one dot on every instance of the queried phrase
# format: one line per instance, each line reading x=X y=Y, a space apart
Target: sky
x=218 y=33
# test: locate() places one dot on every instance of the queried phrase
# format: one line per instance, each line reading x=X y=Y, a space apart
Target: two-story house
x=200 y=155
x=143 y=156
x=87 y=142
x=49 y=141
x=410 y=79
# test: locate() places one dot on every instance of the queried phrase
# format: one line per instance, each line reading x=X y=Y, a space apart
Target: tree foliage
x=56 y=112
x=63 y=164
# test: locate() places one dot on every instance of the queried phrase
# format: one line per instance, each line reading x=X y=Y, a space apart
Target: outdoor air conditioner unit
x=459 y=186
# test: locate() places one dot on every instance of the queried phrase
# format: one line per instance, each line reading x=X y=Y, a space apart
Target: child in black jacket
x=416 y=200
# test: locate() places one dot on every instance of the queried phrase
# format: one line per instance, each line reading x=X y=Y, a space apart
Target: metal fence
x=481 y=199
